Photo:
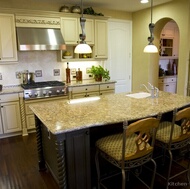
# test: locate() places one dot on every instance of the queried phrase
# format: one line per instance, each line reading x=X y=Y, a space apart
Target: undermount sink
x=139 y=95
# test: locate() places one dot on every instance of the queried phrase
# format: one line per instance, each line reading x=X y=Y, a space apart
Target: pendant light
x=82 y=47
x=151 y=48
x=144 y=1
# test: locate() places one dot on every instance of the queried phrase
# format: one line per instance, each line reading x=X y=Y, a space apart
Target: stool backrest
x=144 y=129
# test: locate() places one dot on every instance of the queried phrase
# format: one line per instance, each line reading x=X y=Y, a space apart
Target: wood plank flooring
x=19 y=168
x=19 y=165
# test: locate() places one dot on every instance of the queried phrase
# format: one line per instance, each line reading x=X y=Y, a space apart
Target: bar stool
x=172 y=136
x=130 y=149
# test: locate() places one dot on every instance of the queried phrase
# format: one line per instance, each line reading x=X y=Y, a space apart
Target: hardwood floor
x=19 y=165
x=19 y=168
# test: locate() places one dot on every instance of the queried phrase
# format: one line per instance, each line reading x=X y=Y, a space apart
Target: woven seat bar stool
x=130 y=149
x=172 y=136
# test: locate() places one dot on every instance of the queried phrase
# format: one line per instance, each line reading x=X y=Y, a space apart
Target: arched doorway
x=167 y=33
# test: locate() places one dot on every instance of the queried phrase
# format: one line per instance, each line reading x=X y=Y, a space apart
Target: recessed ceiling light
x=144 y=1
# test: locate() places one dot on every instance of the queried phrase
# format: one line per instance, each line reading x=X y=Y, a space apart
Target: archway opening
x=167 y=39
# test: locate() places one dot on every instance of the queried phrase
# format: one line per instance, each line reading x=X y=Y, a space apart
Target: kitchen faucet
x=152 y=89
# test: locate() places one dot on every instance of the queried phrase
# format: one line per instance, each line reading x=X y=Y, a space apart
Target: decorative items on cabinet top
x=77 y=9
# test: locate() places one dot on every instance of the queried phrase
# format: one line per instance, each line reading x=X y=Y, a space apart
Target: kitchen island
x=66 y=130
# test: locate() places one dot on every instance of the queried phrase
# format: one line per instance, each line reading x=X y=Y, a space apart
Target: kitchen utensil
x=1 y=86
x=28 y=77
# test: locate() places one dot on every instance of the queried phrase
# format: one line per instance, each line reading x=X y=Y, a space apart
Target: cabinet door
x=171 y=87
x=1 y=124
x=89 y=30
x=8 y=49
x=11 y=117
x=168 y=87
x=101 y=41
x=78 y=159
x=176 y=43
x=70 y=31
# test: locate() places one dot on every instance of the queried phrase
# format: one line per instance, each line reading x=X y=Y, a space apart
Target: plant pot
x=98 y=78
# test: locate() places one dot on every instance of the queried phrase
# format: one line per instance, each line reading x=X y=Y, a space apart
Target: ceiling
x=122 y=5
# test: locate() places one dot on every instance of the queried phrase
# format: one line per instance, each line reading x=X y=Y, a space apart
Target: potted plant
x=99 y=72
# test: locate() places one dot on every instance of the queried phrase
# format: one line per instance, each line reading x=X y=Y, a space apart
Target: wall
x=146 y=65
x=40 y=60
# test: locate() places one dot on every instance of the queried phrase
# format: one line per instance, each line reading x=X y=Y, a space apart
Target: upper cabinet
x=169 y=41
x=96 y=37
x=69 y=29
x=101 y=39
x=8 y=47
x=89 y=30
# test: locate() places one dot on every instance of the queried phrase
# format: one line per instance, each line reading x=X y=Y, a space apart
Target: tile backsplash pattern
x=40 y=60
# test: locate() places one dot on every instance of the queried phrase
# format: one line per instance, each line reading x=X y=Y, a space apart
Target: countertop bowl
x=67 y=57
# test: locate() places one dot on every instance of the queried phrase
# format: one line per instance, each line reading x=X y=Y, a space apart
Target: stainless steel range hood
x=30 y=39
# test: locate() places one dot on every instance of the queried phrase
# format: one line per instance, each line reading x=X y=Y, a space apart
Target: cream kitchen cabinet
x=84 y=91
x=168 y=84
x=107 y=88
x=8 y=48
x=91 y=90
x=30 y=121
x=101 y=39
x=10 y=113
x=70 y=30
x=169 y=42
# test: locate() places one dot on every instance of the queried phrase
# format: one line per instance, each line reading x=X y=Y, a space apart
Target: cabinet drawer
x=84 y=89
x=9 y=97
x=83 y=95
x=104 y=87
x=168 y=80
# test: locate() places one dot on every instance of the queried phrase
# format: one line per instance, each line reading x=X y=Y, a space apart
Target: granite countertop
x=11 y=89
x=61 y=117
x=88 y=82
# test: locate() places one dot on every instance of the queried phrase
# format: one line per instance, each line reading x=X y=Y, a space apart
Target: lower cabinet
x=107 y=89
x=168 y=84
x=78 y=159
x=92 y=90
x=10 y=121
x=67 y=156
x=85 y=91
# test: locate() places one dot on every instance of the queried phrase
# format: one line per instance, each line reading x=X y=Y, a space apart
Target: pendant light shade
x=151 y=48
x=82 y=47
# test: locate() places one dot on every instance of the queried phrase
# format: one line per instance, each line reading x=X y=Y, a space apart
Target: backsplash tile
x=40 y=60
